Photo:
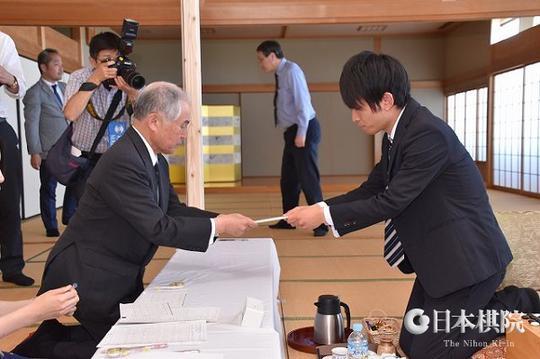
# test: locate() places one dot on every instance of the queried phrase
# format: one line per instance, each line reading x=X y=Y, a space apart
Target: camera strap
x=114 y=104
x=92 y=111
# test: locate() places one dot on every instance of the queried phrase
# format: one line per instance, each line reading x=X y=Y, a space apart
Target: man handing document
x=438 y=220
x=128 y=209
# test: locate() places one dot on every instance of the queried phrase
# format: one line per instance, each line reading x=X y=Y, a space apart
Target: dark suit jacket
x=117 y=229
x=438 y=202
x=44 y=119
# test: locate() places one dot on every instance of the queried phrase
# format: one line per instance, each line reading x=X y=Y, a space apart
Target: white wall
x=31 y=183
x=344 y=149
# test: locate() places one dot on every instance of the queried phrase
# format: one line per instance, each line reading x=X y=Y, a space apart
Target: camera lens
x=135 y=80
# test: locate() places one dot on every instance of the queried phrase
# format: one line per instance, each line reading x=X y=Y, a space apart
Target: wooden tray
x=302 y=339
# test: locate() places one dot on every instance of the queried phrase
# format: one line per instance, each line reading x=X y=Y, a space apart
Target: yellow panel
x=221 y=149
x=177 y=173
x=220 y=111
x=221 y=172
x=218 y=131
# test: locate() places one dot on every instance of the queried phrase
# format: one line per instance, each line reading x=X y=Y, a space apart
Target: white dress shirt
x=326 y=209
x=58 y=90
x=9 y=59
x=154 y=158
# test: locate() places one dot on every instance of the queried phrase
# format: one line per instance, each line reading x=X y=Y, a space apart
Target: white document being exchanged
x=192 y=332
x=271 y=219
x=159 y=312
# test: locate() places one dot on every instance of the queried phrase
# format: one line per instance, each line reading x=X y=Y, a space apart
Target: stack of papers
x=158 y=317
x=165 y=312
x=192 y=332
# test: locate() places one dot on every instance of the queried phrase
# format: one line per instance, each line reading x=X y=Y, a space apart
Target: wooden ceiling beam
x=288 y=12
x=244 y=12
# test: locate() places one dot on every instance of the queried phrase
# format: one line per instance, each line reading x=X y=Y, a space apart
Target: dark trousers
x=47 y=200
x=299 y=169
x=11 y=246
x=53 y=340
x=457 y=345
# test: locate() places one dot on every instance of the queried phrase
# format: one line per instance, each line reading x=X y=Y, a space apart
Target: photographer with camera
x=92 y=92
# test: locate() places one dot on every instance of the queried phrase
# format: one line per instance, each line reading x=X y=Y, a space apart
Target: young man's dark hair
x=45 y=57
x=367 y=76
x=104 y=41
x=269 y=46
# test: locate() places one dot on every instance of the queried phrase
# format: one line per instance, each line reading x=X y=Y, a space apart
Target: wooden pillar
x=191 y=72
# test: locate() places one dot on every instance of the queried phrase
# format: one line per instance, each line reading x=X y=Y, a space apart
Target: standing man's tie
x=393 y=250
x=275 y=99
x=57 y=95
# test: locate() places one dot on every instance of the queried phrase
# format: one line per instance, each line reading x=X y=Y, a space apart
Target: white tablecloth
x=223 y=277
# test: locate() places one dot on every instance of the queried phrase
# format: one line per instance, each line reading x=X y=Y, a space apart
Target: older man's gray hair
x=163 y=97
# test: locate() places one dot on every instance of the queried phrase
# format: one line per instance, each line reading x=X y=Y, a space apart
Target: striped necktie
x=393 y=250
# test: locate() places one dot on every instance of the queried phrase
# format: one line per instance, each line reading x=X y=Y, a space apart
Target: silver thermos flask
x=329 y=328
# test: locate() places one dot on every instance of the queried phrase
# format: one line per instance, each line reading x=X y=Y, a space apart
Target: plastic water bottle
x=357 y=344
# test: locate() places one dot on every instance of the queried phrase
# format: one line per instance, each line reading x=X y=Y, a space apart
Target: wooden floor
x=351 y=267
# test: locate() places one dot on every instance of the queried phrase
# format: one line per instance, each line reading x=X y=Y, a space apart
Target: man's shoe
x=281 y=225
x=320 y=231
x=53 y=233
x=18 y=279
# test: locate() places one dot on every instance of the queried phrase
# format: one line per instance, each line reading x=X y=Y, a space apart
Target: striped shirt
x=85 y=129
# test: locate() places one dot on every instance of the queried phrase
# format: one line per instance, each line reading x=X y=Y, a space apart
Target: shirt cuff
x=328 y=217
x=301 y=131
x=213 y=235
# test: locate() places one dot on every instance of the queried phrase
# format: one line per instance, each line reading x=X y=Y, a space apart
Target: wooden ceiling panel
x=246 y=12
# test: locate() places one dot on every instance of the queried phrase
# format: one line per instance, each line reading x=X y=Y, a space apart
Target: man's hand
x=130 y=91
x=233 y=225
x=54 y=303
x=35 y=161
x=1 y=177
x=5 y=77
x=103 y=72
x=306 y=217
x=300 y=141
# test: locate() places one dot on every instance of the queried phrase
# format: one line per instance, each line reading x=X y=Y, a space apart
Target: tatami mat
x=351 y=267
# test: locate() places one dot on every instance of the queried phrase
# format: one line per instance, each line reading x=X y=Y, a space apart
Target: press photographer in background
x=91 y=91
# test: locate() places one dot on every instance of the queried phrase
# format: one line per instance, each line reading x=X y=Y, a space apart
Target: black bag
x=69 y=169
x=61 y=163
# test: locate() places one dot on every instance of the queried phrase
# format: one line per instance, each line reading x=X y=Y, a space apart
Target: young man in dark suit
x=439 y=223
x=44 y=123
x=129 y=208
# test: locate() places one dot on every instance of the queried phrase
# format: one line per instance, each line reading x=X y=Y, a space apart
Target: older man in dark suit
x=439 y=223
x=129 y=208
x=44 y=123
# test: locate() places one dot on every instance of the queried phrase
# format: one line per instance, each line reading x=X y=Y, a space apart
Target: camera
x=126 y=68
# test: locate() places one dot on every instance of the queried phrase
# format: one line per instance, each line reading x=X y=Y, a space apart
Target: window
x=502 y=29
x=467 y=116
x=516 y=129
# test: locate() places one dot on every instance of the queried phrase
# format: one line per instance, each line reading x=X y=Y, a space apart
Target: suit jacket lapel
x=143 y=152
x=404 y=122
x=48 y=90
